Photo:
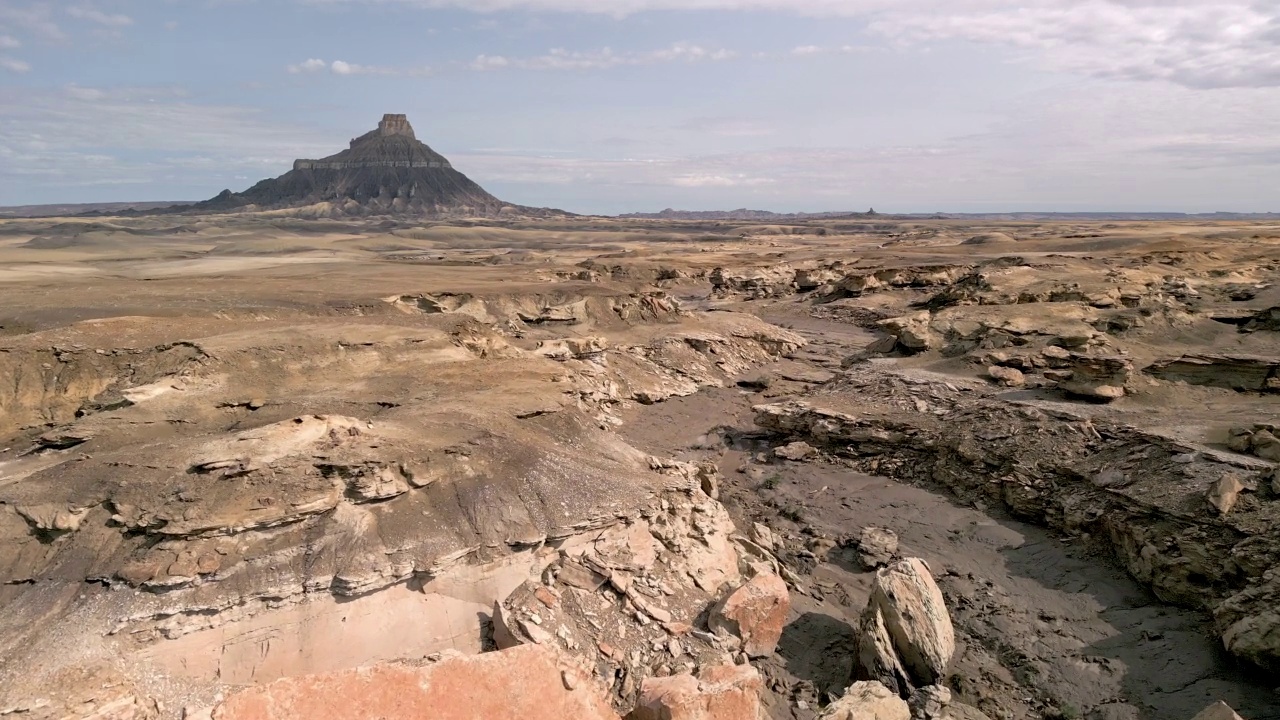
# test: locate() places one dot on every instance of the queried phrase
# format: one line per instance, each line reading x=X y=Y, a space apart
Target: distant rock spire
x=392 y=124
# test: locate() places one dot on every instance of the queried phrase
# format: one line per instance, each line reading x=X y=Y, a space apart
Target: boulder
x=1097 y=377
x=1224 y=493
x=755 y=612
x=867 y=701
x=876 y=547
x=905 y=639
x=883 y=346
x=529 y=682
x=1218 y=711
x=913 y=331
x=935 y=703
x=1006 y=376
x=725 y=692
x=798 y=450
x=1265 y=445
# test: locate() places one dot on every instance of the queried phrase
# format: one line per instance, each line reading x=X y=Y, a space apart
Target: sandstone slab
x=756 y=612
x=527 y=682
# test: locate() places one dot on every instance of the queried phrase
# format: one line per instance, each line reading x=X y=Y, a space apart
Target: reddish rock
x=726 y=692
x=527 y=682
x=756 y=613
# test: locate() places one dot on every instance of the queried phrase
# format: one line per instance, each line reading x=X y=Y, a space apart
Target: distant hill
x=68 y=209
x=740 y=214
x=384 y=171
x=744 y=214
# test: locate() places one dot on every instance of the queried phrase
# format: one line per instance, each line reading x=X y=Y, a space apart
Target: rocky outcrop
x=913 y=332
x=528 y=682
x=1244 y=373
x=722 y=692
x=753 y=283
x=867 y=700
x=1144 y=494
x=905 y=639
x=1268 y=319
x=630 y=596
x=386 y=170
x=1096 y=377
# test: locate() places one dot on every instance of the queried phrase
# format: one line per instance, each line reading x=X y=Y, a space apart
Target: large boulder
x=905 y=639
x=1097 y=377
x=912 y=331
x=755 y=612
x=1217 y=711
x=529 y=682
x=867 y=701
x=724 y=692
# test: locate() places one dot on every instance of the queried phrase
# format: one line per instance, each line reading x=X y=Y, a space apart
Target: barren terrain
x=236 y=449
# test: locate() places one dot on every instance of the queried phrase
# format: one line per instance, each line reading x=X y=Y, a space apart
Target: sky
x=612 y=106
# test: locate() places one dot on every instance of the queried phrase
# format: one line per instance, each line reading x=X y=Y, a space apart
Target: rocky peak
x=392 y=124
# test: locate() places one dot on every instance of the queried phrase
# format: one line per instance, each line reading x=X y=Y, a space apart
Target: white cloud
x=90 y=14
x=8 y=42
x=1195 y=43
x=702 y=180
x=489 y=62
x=35 y=20
x=311 y=65
x=342 y=67
x=12 y=65
x=603 y=59
x=807 y=50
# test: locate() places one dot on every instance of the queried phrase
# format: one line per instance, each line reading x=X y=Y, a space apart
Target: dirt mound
x=993 y=238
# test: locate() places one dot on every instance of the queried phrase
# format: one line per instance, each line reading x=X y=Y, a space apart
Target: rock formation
x=384 y=171
x=905 y=640
x=867 y=700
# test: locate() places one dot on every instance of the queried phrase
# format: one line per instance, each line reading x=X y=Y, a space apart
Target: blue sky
x=637 y=105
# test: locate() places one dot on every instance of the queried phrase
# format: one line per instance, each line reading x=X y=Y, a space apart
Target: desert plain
x=249 y=459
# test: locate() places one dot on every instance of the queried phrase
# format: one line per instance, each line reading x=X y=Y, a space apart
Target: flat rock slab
x=528 y=682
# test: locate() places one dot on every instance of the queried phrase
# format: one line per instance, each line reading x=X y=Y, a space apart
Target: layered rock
x=905 y=639
x=1245 y=373
x=1150 y=497
x=1096 y=377
x=387 y=170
